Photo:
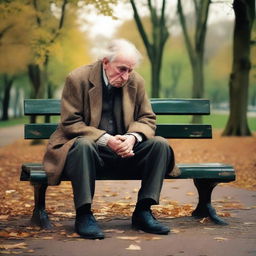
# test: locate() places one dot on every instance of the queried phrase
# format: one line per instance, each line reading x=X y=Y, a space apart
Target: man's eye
x=124 y=69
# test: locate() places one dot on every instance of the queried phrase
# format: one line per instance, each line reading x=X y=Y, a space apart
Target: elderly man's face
x=118 y=71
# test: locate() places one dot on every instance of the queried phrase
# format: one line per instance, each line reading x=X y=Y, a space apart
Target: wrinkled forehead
x=125 y=60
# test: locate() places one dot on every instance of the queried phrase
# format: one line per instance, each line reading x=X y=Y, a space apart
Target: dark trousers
x=152 y=160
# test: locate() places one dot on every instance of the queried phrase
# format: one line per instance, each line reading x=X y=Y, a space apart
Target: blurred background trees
x=187 y=46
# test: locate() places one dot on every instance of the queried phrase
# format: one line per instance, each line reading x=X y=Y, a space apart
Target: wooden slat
x=189 y=131
x=181 y=106
x=160 y=106
x=39 y=131
x=184 y=131
x=41 y=107
x=217 y=171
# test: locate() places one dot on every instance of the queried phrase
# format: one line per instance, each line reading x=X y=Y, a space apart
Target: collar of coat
x=95 y=94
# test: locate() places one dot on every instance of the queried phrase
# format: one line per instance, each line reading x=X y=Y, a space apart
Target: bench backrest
x=51 y=107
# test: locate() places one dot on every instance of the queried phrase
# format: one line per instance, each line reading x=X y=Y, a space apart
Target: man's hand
x=122 y=145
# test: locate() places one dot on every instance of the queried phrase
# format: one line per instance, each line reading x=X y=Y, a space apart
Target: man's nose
x=125 y=76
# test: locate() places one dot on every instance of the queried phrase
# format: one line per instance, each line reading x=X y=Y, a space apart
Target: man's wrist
x=103 y=140
x=137 y=136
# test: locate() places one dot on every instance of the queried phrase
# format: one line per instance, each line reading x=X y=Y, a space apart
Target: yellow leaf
x=13 y=246
x=133 y=247
x=175 y=231
x=190 y=194
x=47 y=237
x=128 y=237
x=218 y=238
x=4 y=217
x=114 y=231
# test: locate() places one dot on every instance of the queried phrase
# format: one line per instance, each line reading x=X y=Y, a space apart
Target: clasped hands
x=122 y=145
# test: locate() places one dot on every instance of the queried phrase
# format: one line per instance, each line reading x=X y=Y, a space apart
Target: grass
x=14 y=121
x=218 y=121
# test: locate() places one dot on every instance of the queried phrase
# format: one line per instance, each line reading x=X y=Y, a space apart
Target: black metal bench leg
x=204 y=207
x=40 y=216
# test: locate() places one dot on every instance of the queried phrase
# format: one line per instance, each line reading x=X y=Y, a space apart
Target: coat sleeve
x=144 y=117
x=73 y=122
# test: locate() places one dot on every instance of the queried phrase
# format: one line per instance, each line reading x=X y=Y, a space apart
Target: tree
x=196 y=47
x=15 y=53
x=155 y=45
x=237 y=124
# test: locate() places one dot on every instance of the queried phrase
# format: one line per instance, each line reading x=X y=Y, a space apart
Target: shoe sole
x=90 y=236
x=136 y=227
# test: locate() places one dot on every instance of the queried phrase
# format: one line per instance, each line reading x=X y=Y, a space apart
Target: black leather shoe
x=144 y=220
x=87 y=227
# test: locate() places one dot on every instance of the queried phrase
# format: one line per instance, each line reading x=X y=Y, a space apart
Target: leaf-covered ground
x=239 y=152
x=16 y=198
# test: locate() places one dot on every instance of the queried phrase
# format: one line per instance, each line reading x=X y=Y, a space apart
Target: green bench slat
x=181 y=106
x=43 y=131
x=41 y=107
x=184 y=131
x=216 y=171
x=160 y=106
x=39 y=131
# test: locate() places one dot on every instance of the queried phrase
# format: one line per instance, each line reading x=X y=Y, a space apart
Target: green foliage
x=14 y=121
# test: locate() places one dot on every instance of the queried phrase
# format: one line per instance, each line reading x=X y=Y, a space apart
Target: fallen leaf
x=249 y=223
x=204 y=220
x=30 y=251
x=128 y=237
x=209 y=228
x=47 y=238
x=218 y=238
x=151 y=237
x=133 y=247
x=73 y=235
x=190 y=194
x=4 y=217
x=175 y=231
x=7 y=192
x=13 y=246
x=114 y=231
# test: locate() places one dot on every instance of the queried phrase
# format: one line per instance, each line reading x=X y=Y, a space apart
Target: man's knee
x=159 y=141
x=84 y=143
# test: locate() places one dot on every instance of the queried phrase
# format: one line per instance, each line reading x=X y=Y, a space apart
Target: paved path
x=10 y=134
x=189 y=236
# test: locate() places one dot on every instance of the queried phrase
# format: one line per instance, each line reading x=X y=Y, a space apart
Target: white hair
x=117 y=47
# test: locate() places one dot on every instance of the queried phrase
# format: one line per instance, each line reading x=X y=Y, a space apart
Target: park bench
x=205 y=175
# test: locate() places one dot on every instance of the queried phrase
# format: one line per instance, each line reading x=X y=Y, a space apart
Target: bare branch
x=185 y=30
x=141 y=29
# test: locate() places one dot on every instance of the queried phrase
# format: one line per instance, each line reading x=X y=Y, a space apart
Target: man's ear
x=105 y=61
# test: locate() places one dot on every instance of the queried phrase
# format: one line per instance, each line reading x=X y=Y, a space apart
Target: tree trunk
x=237 y=124
x=37 y=81
x=198 y=83
x=8 y=81
x=36 y=76
x=155 y=76
x=16 y=104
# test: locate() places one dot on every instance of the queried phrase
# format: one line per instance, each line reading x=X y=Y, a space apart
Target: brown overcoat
x=81 y=107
